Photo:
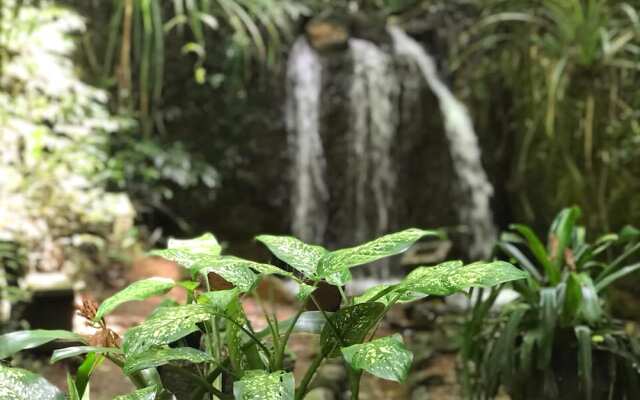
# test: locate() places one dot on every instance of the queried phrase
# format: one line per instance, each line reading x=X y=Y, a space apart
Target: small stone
x=320 y=393
x=325 y=34
x=420 y=393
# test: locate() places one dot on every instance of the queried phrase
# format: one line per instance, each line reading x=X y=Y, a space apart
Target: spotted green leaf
x=205 y=244
x=148 y=393
x=233 y=269
x=190 y=251
x=19 y=384
x=219 y=300
x=351 y=325
x=14 y=342
x=300 y=256
x=139 y=290
x=385 y=293
x=304 y=291
x=259 y=385
x=334 y=266
x=167 y=325
x=453 y=276
x=160 y=356
x=386 y=358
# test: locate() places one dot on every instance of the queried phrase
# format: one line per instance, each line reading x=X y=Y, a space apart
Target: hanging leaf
x=300 y=256
x=205 y=244
x=148 y=393
x=166 y=326
x=304 y=291
x=233 y=269
x=351 y=324
x=14 y=342
x=19 y=384
x=259 y=385
x=191 y=251
x=140 y=290
x=452 y=276
x=68 y=352
x=161 y=356
x=386 y=358
x=334 y=266
x=219 y=300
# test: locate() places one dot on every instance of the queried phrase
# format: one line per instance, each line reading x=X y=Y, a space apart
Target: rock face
x=379 y=143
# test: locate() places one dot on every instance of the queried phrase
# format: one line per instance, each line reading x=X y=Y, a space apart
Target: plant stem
x=344 y=296
x=285 y=340
x=304 y=384
x=214 y=324
x=354 y=383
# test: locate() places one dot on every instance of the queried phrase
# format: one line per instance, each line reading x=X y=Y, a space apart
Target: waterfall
x=309 y=195
x=475 y=211
x=361 y=205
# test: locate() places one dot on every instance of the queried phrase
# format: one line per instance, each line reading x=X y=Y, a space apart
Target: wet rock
x=326 y=33
x=420 y=393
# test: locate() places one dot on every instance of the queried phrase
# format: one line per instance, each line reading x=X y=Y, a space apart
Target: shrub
x=227 y=342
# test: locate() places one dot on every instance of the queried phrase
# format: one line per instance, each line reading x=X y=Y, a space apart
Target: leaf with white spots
x=304 y=291
x=166 y=326
x=386 y=358
x=334 y=266
x=299 y=255
x=160 y=356
x=140 y=290
x=205 y=244
x=148 y=393
x=233 y=269
x=190 y=251
x=385 y=293
x=218 y=301
x=260 y=385
x=453 y=276
x=19 y=384
x=351 y=324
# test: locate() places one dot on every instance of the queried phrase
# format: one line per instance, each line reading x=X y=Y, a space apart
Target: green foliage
x=386 y=358
x=561 y=308
x=14 y=342
x=18 y=384
x=139 y=290
x=259 y=385
x=564 y=69
x=254 y=359
x=148 y=393
x=55 y=131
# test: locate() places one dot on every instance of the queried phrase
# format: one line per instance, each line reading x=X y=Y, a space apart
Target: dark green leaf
x=19 y=384
x=548 y=319
x=590 y=308
x=14 y=342
x=160 y=356
x=259 y=385
x=538 y=250
x=300 y=256
x=572 y=299
x=585 y=363
x=386 y=358
x=621 y=273
x=166 y=326
x=562 y=229
x=140 y=290
x=351 y=324
x=334 y=266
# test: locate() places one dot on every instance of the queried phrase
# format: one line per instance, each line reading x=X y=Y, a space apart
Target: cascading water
x=365 y=197
x=310 y=194
x=475 y=212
